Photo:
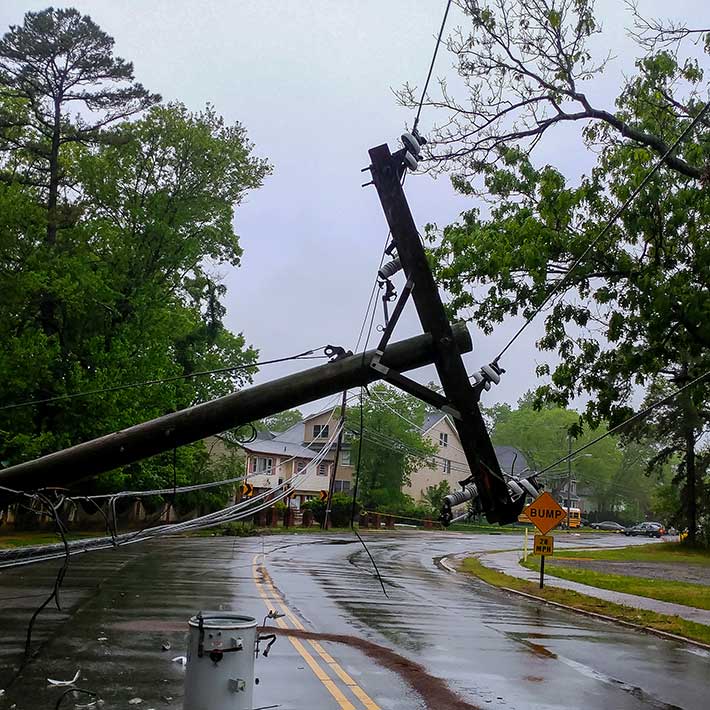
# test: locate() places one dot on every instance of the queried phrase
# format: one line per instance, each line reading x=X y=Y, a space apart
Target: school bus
x=575 y=521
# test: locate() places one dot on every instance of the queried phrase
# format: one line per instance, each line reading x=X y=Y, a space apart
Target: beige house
x=273 y=459
x=450 y=461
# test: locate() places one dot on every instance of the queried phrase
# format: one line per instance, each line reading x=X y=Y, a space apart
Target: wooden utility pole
x=460 y=398
x=338 y=447
x=91 y=458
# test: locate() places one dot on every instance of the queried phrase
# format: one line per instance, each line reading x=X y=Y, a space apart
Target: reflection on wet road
x=342 y=644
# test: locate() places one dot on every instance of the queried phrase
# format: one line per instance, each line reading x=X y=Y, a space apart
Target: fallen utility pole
x=460 y=396
x=186 y=426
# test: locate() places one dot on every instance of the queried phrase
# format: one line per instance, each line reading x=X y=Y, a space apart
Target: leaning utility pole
x=186 y=426
x=460 y=396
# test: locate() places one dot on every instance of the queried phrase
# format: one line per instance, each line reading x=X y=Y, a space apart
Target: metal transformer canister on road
x=220 y=662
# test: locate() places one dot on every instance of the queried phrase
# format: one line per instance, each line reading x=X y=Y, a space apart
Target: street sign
x=544 y=545
x=324 y=496
x=247 y=490
x=545 y=513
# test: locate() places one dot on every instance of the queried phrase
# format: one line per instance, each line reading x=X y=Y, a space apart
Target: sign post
x=545 y=513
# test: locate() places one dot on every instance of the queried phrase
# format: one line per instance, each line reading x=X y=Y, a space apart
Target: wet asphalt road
x=493 y=649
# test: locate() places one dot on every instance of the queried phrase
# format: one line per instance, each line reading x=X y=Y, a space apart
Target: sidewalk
x=508 y=563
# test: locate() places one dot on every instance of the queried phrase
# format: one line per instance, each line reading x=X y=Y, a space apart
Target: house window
x=320 y=431
x=346 y=457
x=342 y=486
x=443 y=439
x=446 y=466
x=300 y=465
x=322 y=469
x=260 y=464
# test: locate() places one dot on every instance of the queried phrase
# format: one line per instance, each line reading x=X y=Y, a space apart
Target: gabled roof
x=278 y=448
x=295 y=434
x=431 y=420
x=511 y=460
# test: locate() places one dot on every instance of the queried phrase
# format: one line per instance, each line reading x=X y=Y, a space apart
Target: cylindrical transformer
x=220 y=662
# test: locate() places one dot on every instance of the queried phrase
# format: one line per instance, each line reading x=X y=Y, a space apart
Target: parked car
x=609 y=525
x=646 y=530
x=655 y=530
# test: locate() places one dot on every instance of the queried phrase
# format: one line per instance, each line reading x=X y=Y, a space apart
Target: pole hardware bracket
x=335 y=352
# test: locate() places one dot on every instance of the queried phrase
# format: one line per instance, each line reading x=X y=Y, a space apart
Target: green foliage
x=633 y=313
x=433 y=496
x=281 y=421
x=614 y=476
x=392 y=444
x=340 y=510
x=114 y=281
x=239 y=529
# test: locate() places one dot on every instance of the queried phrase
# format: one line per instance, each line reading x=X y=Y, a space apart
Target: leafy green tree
x=634 y=307
x=57 y=63
x=614 y=476
x=392 y=444
x=434 y=496
x=130 y=277
x=283 y=420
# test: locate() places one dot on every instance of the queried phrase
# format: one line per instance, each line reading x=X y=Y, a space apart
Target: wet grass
x=667 y=552
x=665 y=590
x=653 y=620
x=28 y=539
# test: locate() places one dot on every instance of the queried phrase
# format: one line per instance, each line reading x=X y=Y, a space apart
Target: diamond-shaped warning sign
x=545 y=513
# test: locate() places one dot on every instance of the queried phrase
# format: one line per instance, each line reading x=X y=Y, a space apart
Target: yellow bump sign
x=544 y=545
x=545 y=513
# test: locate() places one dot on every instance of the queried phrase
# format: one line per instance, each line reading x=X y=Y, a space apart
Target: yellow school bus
x=575 y=521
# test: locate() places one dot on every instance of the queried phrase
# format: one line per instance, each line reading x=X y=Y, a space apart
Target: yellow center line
x=359 y=693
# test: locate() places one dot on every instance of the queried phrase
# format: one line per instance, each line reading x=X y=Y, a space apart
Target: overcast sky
x=312 y=82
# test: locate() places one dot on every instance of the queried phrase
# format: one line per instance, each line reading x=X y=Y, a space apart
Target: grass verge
x=29 y=539
x=667 y=552
x=695 y=595
x=660 y=622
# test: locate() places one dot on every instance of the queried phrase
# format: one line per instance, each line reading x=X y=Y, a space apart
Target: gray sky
x=312 y=82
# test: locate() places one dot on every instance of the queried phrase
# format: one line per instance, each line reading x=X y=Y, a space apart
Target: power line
x=557 y=285
x=431 y=66
x=639 y=415
x=146 y=383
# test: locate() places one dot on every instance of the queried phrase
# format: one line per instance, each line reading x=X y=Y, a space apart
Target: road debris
x=51 y=681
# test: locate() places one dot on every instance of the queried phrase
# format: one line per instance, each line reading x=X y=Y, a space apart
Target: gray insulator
x=515 y=490
x=411 y=161
x=390 y=269
x=411 y=144
x=458 y=497
x=529 y=488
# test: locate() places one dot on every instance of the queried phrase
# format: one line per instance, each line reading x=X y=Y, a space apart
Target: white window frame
x=446 y=466
x=443 y=439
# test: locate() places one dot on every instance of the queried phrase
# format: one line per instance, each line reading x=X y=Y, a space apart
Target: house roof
x=511 y=460
x=295 y=434
x=432 y=419
x=278 y=448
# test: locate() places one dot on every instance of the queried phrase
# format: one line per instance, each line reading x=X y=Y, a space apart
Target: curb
x=593 y=614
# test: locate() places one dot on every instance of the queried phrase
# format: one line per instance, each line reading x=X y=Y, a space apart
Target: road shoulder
x=501 y=569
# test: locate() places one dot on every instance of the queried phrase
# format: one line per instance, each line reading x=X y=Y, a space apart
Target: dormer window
x=320 y=431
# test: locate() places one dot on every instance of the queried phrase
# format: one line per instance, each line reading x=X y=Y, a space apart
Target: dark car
x=609 y=525
x=646 y=530
x=635 y=530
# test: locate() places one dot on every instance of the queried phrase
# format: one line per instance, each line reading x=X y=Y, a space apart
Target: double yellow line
x=273 y=600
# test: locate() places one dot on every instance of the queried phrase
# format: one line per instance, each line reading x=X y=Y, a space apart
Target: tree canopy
x=111 y=234
x=634 y=309
x=392 y=444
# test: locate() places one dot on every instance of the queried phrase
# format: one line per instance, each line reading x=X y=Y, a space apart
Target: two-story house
x=273 y=459
x=450 y=461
